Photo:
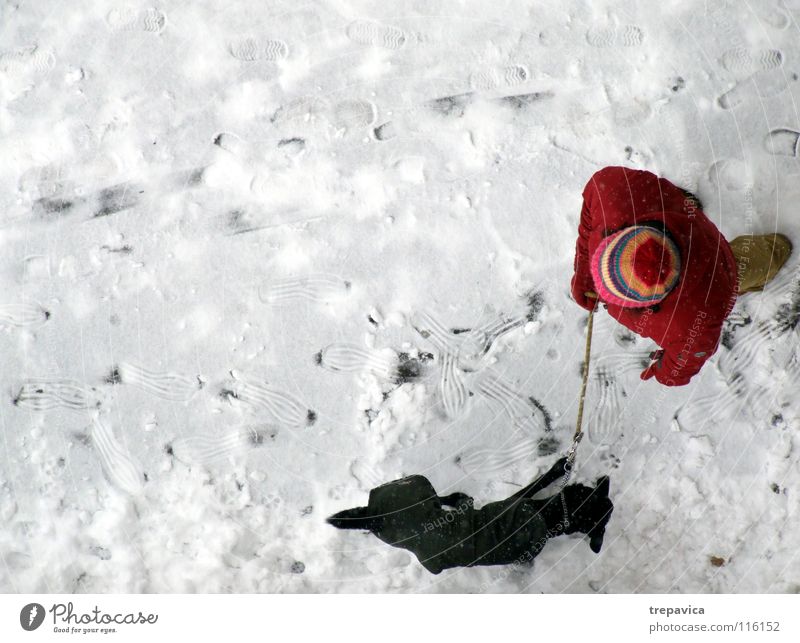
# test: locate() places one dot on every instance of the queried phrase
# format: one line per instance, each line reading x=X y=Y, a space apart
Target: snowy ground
x=237 y=236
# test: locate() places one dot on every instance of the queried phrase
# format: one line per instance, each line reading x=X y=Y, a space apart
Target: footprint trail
x=119 y=466
x=166 y=385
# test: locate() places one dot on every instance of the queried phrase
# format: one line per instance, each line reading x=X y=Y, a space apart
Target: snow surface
x=236 y=239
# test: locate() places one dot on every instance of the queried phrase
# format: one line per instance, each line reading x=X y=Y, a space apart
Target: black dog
x=408 y=513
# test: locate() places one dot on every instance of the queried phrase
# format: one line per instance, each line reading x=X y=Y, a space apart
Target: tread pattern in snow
x=120 y=467
x=167 y=385
x=44 y=394
x=317 y=288
x=367 y=32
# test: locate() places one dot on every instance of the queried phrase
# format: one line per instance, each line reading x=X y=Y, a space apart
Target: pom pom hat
x=635 y=267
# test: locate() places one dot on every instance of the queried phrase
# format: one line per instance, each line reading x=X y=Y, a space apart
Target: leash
x=578 y=435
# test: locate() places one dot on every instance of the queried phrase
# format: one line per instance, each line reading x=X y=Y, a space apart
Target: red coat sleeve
x=686 y=351
x=582 y=279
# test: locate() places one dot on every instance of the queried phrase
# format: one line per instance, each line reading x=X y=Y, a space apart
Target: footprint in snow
x=782 y=142
x=750 y=61
x=699 y=415
x=604 y=425
x=283 y=407
x=127 y=18
x=615 y=36
x=102 y=203
x=386 y=131
x=350 y=358
x=32 y=59
x=764 y=84
x=120 y=467
x=494 y=460
x=621 y=362
x=43 y=394
x=166 y=385
x=367 y=32
x=253 y=49
x=771 y=16
x=22 y=315
x=732 y=174
x=354 y=113
x=461 y=350
x=452 y=387
x=523 y=412
x=304 y=112
x=629 y=114
x=232 y=143
x=209 y=448
x=493 y=77
x=317 y=288
x=756 y=341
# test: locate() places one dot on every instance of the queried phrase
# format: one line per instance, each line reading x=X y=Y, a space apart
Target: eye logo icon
x=31 y=616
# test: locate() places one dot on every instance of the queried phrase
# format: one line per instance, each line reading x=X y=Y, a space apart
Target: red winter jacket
x=687 y=323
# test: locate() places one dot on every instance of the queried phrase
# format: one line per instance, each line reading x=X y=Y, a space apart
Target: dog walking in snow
x=447 y=531
x=647 y=251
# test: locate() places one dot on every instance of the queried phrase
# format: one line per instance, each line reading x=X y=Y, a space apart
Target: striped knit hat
x=635 y=267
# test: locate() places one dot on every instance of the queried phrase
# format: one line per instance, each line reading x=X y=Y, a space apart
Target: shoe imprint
x=115 y=199
x=522 y=412
x=385 y=132
x=25 y=60
x=783 y=142
x=469 y=344
x=232 y=143
x=353 y=113
x=707 y=410
x=732 y=174
x=748 y=347
x=367 y=32
x=631 y=113
x=317 y=288
x=102 y=203
x=622 y=36
x=46 y=181
x=773 y=16
x=22 y=315
x=750 y=61
x=620 y=363
x=127 y=18
x=453 y=106
x=522 y=101
x=44 y=394
x=351 y=358
x=764 y=84
x=119 y=466
x=479 y=340
x=435 y=332
x=283 y=407
x=494 y=77
x=304 y=111
x=451 y=387
x=251 y=49
x=167 y=385
x=604 y=424
x=206 y=449
x=489 y=461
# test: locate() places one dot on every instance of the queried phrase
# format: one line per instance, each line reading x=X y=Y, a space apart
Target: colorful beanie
x=635 y=267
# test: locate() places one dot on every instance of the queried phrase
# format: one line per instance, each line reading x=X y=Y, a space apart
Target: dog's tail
x=355 y=518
